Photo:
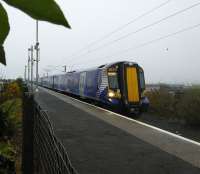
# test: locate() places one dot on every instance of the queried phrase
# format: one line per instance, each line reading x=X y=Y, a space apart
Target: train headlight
x=111 y=94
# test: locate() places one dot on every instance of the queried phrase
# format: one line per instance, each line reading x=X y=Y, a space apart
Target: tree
x=45 y=10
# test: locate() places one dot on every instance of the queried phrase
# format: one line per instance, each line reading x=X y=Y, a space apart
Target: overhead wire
x=143 y=28
x=155 y=40
x=160 y=38
x=131 y=22
x=124 y=26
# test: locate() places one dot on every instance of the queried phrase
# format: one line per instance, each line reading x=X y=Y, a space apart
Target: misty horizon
x=174 y=59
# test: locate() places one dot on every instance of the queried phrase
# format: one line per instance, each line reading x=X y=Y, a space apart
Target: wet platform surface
x=101 y=144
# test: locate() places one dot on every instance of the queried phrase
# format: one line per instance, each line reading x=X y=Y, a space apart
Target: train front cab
x=126 y=85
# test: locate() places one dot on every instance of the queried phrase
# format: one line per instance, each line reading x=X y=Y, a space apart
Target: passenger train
x=118 y=85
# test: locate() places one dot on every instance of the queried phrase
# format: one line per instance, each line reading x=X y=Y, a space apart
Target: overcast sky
x=175 y=59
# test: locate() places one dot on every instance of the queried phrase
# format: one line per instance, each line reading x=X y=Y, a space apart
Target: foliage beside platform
x=10 y=125
x=181 y=105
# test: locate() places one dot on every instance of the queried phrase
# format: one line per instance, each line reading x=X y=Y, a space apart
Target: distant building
x=152 y=87
x=171 y=88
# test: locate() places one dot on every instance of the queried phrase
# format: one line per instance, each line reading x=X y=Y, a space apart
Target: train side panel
x=102 y=86
x=73 y=84
x=91 y=84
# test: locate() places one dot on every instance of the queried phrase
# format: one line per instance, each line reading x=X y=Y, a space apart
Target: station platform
x=100 y=142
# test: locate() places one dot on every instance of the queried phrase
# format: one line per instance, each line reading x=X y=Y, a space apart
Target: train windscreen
x=113 y=80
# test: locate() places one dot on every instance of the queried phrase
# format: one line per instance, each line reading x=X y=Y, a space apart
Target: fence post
x=28 y=124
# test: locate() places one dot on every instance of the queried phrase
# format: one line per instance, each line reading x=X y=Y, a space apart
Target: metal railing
x=43 y=153
x=52 y=155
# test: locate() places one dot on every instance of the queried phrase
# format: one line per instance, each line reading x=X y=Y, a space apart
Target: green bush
x=7 y=150
x=189 y=106
x=161 y=102
x=12 y=90
x=10 y=116
x=3 y=122
x=7 y=155
x=10 y=121
x=184 y=106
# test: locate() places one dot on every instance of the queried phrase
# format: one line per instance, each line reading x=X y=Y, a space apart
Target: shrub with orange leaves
x=12 y=90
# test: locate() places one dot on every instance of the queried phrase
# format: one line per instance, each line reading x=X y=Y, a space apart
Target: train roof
x=104 y=66
x=125 y=62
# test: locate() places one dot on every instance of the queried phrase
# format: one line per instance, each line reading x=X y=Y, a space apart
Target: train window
x=113 y=80
x=142 y=81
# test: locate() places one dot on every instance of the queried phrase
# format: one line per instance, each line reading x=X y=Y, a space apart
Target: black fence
x=43 y=153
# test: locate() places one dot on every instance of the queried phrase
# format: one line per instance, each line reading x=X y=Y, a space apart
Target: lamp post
x=32 y=62
x=29 y=65
x=25 y=78
x=37 y=55
x=65 y=68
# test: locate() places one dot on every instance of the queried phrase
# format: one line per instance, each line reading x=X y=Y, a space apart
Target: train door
x=133 y=94
x=82 y=83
